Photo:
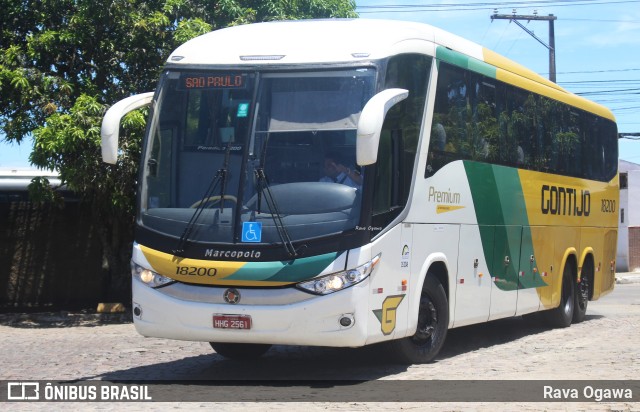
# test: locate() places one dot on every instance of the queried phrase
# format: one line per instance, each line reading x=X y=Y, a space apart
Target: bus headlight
x=340 y=280
x=149 y=277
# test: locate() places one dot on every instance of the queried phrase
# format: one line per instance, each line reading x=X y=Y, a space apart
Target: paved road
x=604 y=346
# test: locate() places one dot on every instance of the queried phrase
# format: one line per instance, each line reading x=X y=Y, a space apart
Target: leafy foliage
x=62 y=62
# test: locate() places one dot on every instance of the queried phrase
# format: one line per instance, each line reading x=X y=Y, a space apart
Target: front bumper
x=285 y=316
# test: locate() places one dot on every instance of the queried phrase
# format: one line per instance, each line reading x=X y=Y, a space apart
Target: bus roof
x=306 y=41
x=352 y=40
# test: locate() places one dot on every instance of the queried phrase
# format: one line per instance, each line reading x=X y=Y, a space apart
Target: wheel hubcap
x=566 y=292
x=584 y=292
x=427 y=321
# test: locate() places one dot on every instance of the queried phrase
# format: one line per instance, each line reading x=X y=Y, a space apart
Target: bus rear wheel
x=240 y=351
x=582 y=294
x=562 y=316
x=433 y=322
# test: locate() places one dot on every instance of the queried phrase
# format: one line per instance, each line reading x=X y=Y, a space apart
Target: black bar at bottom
x=323 y=391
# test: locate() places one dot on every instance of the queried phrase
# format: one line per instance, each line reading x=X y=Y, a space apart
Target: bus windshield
x=226 y=149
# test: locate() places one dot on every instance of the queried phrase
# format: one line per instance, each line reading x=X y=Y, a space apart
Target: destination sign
x=212 y=81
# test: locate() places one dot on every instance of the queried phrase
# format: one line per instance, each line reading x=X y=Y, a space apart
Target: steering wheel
x=213 y=200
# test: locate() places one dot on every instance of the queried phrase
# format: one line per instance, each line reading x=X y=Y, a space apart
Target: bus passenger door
x=473 y=282
x=504 y=271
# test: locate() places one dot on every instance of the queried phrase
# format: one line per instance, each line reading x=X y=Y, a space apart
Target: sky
x=597 y=49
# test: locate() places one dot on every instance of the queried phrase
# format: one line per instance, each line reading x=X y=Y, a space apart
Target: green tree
x=63 y=62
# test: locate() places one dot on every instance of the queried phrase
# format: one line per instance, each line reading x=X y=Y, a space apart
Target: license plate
x=232 y=322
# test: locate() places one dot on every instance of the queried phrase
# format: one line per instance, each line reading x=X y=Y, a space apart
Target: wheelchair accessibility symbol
x=252 y=232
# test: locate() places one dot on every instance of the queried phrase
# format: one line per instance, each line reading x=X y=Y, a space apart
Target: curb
x=63 y=319
x=628 y=278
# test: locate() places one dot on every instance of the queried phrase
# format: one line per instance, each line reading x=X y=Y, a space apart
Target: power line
x=621 y=89
x=598 y=71
x=499 y=4
x=603 y=20
x=608 y=82
x=635 y=91
x=493 y=4
x=412 y=8
x=618 y=101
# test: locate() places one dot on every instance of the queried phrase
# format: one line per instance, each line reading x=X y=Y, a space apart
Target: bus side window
x=454 y=116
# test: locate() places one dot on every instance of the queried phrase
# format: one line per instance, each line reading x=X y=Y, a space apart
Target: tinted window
x=478 y=118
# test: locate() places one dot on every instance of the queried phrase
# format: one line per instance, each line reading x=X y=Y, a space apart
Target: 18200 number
x=196 y=271
x=608 y=206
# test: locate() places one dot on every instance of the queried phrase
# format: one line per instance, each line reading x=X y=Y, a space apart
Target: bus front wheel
x=240 y=351
x=433 y=322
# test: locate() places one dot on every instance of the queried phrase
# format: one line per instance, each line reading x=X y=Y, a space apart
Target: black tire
x=562 y=316
x=240 y=351
x=433 y=323
x=582 y=294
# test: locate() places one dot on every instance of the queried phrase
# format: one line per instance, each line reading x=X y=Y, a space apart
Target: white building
x=14 y=182
x=628 y=256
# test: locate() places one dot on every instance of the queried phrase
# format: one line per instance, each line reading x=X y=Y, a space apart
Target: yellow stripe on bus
x=512 y=73
x=180 y=269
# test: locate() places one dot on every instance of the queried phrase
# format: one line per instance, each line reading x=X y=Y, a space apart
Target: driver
x=336 y=172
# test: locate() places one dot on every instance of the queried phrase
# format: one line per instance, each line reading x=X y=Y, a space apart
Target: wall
x=50 y=257
x=634 y=249
x=633 y=213
x=628 y=258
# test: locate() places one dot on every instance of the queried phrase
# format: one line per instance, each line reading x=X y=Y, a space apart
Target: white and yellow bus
x=349 y=182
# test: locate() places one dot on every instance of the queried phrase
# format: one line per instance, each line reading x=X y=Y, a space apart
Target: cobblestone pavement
x=76 y=347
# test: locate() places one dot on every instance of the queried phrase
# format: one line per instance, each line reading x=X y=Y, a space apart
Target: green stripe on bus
x=286 y=271
x=501 y=214
x=466 y=62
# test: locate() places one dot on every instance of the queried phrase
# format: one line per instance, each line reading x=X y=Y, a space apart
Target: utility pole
x=552 y=35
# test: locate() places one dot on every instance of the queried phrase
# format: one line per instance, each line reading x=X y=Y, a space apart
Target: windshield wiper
x=220 y=176
x=263 y=186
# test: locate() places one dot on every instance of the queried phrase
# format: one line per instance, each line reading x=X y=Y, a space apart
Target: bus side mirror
x=370 y=124
x=110 y=129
